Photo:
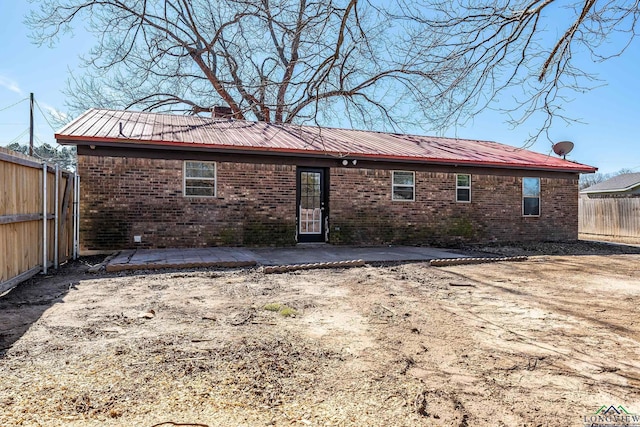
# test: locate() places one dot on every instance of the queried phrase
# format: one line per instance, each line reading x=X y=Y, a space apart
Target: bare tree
x=431 y=63
x=270 y=60
x=520 y=56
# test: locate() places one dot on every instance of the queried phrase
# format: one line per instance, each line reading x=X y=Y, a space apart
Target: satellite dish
x=563 y=148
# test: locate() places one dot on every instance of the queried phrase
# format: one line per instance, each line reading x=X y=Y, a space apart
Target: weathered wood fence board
x=616 y=217
x=27 y=209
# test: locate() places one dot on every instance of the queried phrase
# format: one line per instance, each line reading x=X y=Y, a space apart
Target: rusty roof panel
x=132 y=127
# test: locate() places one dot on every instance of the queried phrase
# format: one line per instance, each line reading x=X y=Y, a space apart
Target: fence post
x=24 y=237
x=44 y=218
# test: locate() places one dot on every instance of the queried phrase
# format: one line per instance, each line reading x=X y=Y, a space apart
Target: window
x=200 y=179
x=531 y=196
x=403 y=186
x=463 y=188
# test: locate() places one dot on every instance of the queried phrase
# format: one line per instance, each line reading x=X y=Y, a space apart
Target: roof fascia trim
x=165 y=145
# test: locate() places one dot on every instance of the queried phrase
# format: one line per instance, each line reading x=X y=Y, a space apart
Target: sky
x=608 y=137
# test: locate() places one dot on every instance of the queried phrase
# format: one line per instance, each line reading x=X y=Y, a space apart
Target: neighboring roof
x=617 y=184
x=141 y=129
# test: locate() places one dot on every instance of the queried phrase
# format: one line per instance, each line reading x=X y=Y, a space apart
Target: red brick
x=256 y=205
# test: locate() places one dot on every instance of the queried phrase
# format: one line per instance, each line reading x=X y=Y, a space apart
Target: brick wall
x=362 y=211
x=122 y=197
x=125 y=197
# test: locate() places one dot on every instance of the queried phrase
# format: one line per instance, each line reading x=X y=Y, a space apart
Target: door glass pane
x=310 y=203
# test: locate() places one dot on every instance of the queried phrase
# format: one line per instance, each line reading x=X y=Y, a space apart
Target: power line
x=55 y=147
x=32 y=126
x=36 y=154
x=44 y=116
x=13 y=105
x=41 y=143
x=26 y=131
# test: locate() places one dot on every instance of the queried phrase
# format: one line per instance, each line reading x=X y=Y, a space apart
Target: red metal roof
x=98 y=127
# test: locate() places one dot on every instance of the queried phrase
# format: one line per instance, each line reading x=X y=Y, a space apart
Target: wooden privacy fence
x=38 y=217
x=616 y=217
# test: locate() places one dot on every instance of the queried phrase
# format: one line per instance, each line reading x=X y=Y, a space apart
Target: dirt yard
x=545 y=342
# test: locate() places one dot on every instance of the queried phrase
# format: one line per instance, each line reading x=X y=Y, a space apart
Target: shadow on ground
x=24 y=305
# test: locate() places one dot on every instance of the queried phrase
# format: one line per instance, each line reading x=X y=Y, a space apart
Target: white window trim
x=412 y=186
x=539 y=197
x=214 y=179
x=464 y=188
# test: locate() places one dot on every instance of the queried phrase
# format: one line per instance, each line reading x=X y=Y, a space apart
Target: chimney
x=222 y=112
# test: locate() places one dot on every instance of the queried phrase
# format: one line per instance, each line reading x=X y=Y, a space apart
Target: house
x=610 y=210
x=620 y=186
x=158 y=180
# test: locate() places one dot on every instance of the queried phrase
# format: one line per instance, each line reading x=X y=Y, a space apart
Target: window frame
x=463 y=188
x=394 y=186
x=185 y=178
x=539 y=197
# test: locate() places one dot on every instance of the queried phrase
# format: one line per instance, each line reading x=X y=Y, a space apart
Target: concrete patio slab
x=144 y=259
x=302 y=254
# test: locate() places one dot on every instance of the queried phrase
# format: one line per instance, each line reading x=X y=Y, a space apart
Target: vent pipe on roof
x=222 y=112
